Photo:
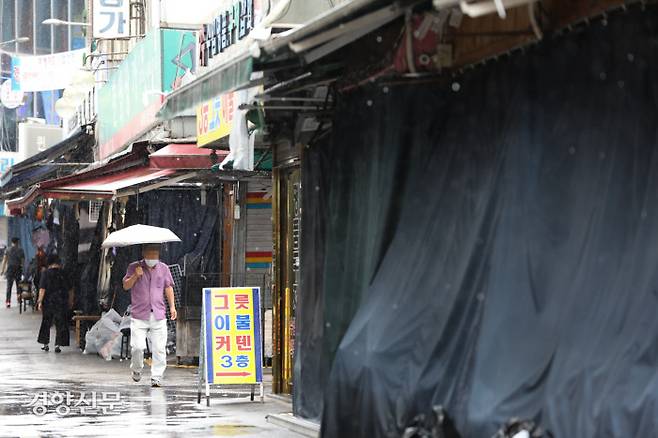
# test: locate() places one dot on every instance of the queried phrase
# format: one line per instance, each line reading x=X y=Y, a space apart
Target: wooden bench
x=78 y=319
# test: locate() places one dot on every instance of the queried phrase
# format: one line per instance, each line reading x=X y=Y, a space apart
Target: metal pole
x=70 y=19
x=202 y=362
x=16 y=30
x=52 y=28
x=286 y=341
x=277 y=285
x=35 y=103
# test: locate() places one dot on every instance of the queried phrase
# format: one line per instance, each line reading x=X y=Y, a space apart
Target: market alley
x=121 y=406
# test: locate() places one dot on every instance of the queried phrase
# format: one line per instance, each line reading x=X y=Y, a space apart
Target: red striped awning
x=105 y=186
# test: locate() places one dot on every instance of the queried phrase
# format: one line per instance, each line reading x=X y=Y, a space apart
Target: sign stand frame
x=203 y=360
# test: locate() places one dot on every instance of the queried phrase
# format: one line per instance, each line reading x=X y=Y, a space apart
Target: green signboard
x=128 y=102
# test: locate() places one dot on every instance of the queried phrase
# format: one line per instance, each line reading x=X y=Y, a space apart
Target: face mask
x=151 y=262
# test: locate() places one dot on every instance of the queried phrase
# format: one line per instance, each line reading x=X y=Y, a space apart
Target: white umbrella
x=139 y=234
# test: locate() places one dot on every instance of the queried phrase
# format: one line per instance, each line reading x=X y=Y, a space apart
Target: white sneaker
x=155 y=382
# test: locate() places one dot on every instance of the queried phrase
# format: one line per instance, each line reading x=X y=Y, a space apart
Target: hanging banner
x=111 y=18
x=45 y=72
x=232 y=336
x=214 y=119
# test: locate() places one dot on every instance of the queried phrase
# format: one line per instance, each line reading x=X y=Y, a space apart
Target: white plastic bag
x=91 y=339
x=107 y=349
x=241 y=144
x=116 y=347
x=104 y=337
x=112 y=315
x=108 y=333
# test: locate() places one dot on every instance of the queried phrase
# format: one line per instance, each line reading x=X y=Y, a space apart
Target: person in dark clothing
x=55 y=299
x=12 y=267
x=38 y=266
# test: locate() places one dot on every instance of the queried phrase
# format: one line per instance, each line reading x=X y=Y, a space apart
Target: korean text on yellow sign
x=214 y=119
x=233 y=336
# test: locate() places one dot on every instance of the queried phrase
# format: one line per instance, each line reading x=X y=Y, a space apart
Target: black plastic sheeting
x=184 y=213
x=88 y=296
x=68 y=232
x=492 y=250
x=194 y=220
x=122 y=257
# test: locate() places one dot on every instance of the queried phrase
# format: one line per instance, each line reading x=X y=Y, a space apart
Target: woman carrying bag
x=55 y=300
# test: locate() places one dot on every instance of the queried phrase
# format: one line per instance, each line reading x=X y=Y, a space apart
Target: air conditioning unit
x=36 y=137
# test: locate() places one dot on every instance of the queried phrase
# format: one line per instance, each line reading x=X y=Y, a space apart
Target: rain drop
x=385 y=89
x=369 y=103
x=480 y=297
x=572 y=150
x=379 y=39
x=456 y=86
x=631 y=57
x=621 y=84
x=603 y=76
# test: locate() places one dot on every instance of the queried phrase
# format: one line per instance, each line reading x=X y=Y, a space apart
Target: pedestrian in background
x=12 y=267
x=148 y=281
x=55 y=299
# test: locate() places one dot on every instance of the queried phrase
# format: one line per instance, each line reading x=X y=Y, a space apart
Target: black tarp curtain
x=193 y=219
x=493 y=250
x=89 y=297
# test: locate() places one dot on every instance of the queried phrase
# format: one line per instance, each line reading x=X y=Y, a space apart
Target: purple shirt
x=147 y=295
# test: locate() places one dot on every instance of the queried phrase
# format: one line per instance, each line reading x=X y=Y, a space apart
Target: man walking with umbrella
x=148 y=280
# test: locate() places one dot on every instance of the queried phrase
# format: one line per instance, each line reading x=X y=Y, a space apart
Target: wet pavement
x=71 y=394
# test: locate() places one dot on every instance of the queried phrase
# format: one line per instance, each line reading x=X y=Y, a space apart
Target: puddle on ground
x=233 y=430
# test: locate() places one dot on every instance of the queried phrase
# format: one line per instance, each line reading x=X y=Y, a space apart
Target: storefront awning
x=105 y=186
x=54 y=152
x=28 y=177
x=323 y=35
x=184 y=156
x=17 y=205
x=229 y=76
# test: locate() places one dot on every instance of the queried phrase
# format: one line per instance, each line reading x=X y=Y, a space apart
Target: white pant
x=158 y=344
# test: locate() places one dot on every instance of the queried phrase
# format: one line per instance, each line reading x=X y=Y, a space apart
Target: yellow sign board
x=214 y=119
x=232 y=336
